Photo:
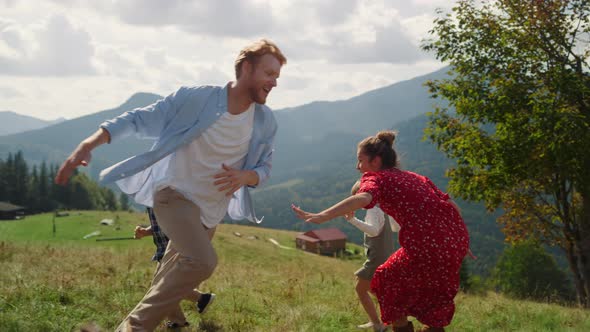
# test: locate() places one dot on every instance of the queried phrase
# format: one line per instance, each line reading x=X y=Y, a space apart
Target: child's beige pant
x=189 y=260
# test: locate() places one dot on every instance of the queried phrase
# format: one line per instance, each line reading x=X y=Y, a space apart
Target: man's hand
x=231 y=179
x=142 y=232
x=80 y=156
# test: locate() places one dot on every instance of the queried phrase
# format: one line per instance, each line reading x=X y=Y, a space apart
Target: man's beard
x=255 y=95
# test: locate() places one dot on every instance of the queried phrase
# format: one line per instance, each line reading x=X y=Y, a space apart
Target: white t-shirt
x=192 y=167
x=374 y=221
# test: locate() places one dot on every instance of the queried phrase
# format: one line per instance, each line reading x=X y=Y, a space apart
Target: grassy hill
x=64 y=282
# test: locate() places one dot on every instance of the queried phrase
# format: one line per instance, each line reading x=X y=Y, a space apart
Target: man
x=212 y=143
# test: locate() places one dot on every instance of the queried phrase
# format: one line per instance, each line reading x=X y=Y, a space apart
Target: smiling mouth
x=266 y=90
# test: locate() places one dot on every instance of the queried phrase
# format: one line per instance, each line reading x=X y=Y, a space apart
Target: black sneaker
x=176 y=326
x=204 y=302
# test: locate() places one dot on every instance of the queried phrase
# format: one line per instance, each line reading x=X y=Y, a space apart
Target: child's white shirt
x=374 y=221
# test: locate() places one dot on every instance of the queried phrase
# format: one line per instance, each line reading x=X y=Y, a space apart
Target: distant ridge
x=54 y=143
x=12 y=123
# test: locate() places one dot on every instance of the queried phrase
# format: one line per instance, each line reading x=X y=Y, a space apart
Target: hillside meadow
x=63 y=282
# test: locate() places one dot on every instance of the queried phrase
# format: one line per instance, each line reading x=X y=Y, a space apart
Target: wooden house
x=10 y=211
x=326 y=241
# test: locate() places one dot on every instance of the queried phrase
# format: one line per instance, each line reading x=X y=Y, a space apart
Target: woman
x=421 y=278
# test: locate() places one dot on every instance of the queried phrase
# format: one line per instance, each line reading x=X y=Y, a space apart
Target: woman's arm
x=351 y=203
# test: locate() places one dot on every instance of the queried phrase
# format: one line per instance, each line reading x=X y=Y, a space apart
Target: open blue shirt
x=175 y=121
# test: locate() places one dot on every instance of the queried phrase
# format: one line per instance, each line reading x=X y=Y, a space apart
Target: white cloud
x=114 y=61
x=390 y=46
x=337 y=30
x=74 y=57
x=370 y=32
x=417 y=27
x=9 y=92
x=433 y=3
x=340 y=81
x=211 y=75
x=294 y=82
x=215 y=18
x=155 y=58
x=54 y=49
x=11 y=38
x=333 y=11
x=7 y=3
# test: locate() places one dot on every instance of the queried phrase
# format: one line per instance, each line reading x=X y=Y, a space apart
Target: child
x=378 y=242
x=420 y=279
x=202 y=300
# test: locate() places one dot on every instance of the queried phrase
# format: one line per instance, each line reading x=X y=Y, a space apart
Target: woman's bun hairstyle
x=387 y=136
x=381 y=145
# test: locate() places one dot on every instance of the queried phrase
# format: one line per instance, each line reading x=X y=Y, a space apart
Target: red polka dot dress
x=420 y=279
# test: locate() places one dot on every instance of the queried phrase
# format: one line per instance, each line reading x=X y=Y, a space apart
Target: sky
x=69 y=58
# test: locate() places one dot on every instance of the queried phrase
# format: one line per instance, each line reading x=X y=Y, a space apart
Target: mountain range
x=12 y=123
x=314 y=159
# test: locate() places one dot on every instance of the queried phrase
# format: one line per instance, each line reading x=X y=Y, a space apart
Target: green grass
x=63 y=283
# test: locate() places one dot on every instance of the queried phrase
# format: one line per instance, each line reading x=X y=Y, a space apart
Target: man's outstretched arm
x=81 y=155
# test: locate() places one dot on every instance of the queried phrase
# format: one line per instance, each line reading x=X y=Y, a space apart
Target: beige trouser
x=177 y=316
x=189 y=260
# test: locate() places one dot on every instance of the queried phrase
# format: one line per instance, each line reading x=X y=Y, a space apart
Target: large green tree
x=85 y=193
x=517 y=120
x=525 y=270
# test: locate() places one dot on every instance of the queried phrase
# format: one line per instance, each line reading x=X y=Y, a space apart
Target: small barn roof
x=8 y=207
x=306 y=238
x=326 y=234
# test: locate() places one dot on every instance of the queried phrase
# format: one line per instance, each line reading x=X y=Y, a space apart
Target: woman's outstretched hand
x=316 y=218
x=349 y=216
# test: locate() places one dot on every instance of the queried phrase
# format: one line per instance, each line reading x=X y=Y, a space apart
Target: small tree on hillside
x=3 y=181
x=520 y=128
x=124 y=202
x=16 y=178
x=465 y=276
x=525 y=270
x=21 y=176
x=33 y=201
x=60 y=196
x=85 y=194
x=45 y=200
x=110 y=200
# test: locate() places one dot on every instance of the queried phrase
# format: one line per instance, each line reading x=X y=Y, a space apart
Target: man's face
x=262 y=77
